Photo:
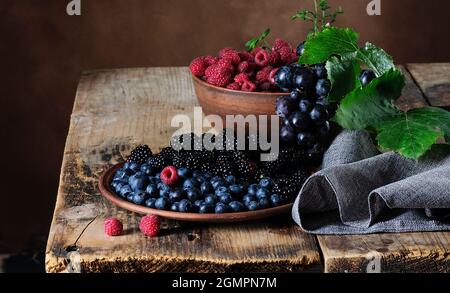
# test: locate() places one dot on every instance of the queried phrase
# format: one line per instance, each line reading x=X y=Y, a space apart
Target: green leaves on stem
x=320 y=16
x=253 y=43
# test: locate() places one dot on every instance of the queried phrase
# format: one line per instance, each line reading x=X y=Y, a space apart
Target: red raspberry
x=226 y=63
x=198 y=67
x=169 y=175
x=230 y=54
x=210 y=60
x=150 y=225
x=234 y=86
x=294 y=58
x=256 y=51
x=246 y=56
x=285 y=55
x=248 y=86
x=265 y=87
x=113 y=227
x=272 y=75
x=218 y=75
x=246 y=67
x=241 y=78
x=225 y=51
x=280 y=43
x=262 y=58
x=263 y=74
x=274 y=58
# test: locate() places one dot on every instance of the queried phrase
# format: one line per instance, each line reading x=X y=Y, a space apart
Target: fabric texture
x=360 y=190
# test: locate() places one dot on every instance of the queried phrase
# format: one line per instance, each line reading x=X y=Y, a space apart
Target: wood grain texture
x=379 y=253
x=115 y=110
x=434 y=80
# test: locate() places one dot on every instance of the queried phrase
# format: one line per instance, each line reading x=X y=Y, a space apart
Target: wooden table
x=115 y=110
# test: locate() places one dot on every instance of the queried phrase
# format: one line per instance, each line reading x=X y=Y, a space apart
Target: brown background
x=43 y=52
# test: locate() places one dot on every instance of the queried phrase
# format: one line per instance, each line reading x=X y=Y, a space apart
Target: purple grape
x=284 y=107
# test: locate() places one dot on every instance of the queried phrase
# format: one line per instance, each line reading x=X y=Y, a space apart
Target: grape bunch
x=305 y=113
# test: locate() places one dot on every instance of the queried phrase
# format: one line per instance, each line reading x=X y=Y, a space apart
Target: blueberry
x=185 y=206
x=199 y=202
x=266 y=183
x=164 y=191
x=215 y=178
x=162 y=203
x=193 y=194
x=121 y=175
x=300 y=120
x=150 y=203
x=211 y=199
x=208 y=175
x=225 y=198
x=366 y=77
x=153 y=180
x=184 y=173
x=287 y=134
x=253 y=206
x=197 y=173
x=117 y=185
x=139 y=198
x=262 y=193
x=323 y=87
x=135 y=167
x=126 y=165
x=236 y=190
x=191 y=183
x=177 y=194
x=147 y=169
x=264 y=203
x=230 y=179
x=128 y=171
x=138 y=181
x=236 y=206
x=125 y=190
x=206 y=209
x=304 y=79
x=283 y=77
x=275 y=199
x=252 y=189
x=305 y=139
x=284 y=107
x=320 y=70
x=248 y=198
x=152 y=190
x=200 y=179
x=300 y=49
x=174 y=206
x=221 y=190
x=221 y=208
x=206 y=187
x=319 y=114
x=218 y=183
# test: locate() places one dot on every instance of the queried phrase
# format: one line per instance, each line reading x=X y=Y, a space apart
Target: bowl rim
x=204 y=83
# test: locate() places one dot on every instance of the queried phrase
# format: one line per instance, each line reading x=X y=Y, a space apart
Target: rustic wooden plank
x=406 y=252
x=113 y=111
x=434 y=81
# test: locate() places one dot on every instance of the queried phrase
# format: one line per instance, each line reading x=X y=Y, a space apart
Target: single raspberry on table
x=113 y=227
x=198 y=67
x=150 y=225
x=263 y=74
x=218 y=75
x=169 y=175
x=280 y=43
x=234 y=86
x=262 y=58
x=248 y=86
x=241 y=78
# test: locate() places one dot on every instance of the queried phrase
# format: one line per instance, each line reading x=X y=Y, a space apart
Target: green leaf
x=376 y=59
x=413 y=133
x=253 y=43
x=370 y=105
x=331 y=41
x=343 y=74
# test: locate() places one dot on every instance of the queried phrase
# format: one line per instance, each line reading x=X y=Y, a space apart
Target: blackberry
x=289 y=186
x=244 y=167
x=224 y=165
x=178 y=160
x=140 y=154
x=186 y=142
x=158 y=162
x=260 y=174
x=192 y=160
x=207 y=167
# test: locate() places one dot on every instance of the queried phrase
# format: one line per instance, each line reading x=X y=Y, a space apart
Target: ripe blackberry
x=178 y=160
x=158 y=162
x=192 y=160
x=227 y=139
x=289 y=186
x=224 y=166
x=207 y=167
x=140 y=154
x=245 y=168
x=186 y=142
x=260 y=174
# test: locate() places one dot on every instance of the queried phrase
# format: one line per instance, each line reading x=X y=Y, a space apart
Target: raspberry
x=234 y=86
x=280 y=43
x=225 y=63
x=225 y=51
x=241 y=78
x=231 y=54
x=263 y=74
x=113 y=227
x=150 y=225
x=272 y=75
x=274 y=58
x=265 y=87
x=246 y=56
x=256 y=51
x=210 y=60
x=169 y=175
x=294 y=57
x=262 y=58
x=248 y=86
x=246 y=67
x=285 y=55
x=218 y=76
x=198 y=67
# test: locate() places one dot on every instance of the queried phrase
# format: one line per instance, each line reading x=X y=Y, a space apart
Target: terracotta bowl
x=108 y=193
x=222 y=101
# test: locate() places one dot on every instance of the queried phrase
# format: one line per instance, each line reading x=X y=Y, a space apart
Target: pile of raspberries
x=245 y=71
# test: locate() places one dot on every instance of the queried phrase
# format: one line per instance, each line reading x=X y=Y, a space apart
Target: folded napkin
x=361 y=191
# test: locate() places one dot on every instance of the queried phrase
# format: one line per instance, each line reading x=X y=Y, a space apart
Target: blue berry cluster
x=195 y=191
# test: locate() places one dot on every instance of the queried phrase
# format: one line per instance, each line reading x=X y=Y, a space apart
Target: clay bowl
x=108 y=193
x=222 y=101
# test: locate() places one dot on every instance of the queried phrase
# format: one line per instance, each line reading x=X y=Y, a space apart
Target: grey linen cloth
x=360 y=190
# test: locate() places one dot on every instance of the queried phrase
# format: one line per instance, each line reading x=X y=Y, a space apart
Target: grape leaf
x=343 y=74
x=331 y=41
x=413 y=133
x=370 y=105
x=376 y=59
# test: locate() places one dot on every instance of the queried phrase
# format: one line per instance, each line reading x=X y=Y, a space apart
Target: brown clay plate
x=105 y=190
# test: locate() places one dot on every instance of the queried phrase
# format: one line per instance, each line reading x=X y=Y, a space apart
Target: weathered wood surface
x=406 y=252
x=434 y=80
x=114 y=110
